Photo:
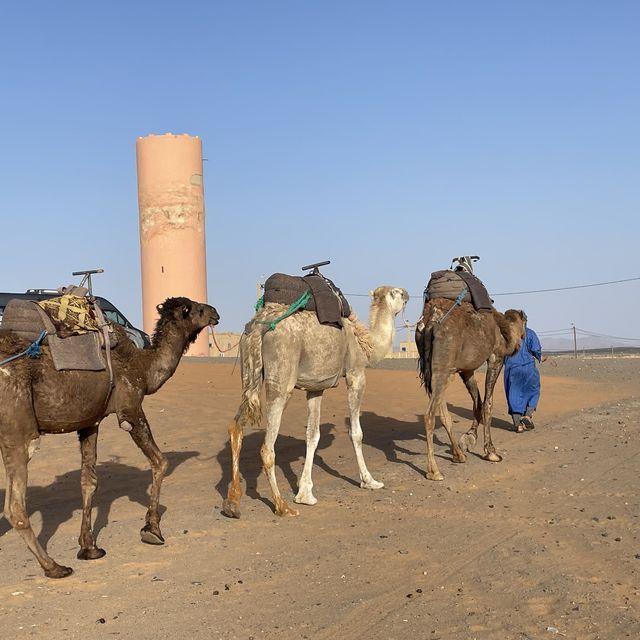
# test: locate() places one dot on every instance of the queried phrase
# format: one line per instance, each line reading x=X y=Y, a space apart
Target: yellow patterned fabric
x=71 y=315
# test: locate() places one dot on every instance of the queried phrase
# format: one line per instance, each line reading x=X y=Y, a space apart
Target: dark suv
x=111 y=312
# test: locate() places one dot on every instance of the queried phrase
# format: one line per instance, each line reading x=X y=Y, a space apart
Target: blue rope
x=32 y=351
x=458 y=301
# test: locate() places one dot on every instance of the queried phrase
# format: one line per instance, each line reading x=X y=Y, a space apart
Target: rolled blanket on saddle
x=326 y=299
x=450 y=284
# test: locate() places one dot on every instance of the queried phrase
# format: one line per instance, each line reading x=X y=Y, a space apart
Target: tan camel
x=301 y=353
x=37 y=400
x=460 y=343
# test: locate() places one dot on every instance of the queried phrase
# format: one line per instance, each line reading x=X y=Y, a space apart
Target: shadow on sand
x=388 y=435
x=289 y=450
x=58 y=501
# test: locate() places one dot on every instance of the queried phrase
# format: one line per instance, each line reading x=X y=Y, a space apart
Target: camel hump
x=449 y=284
x=327 y=300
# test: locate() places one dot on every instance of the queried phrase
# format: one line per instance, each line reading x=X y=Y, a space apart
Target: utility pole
x=575 y=342
x=406 y=324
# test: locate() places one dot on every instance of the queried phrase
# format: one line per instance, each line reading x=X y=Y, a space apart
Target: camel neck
x=382 y=330
x=163 y=358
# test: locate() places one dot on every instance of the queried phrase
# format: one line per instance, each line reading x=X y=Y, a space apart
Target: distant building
x=227 y=345
x=407 y=349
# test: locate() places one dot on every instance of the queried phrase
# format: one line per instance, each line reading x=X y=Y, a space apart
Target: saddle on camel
x=312 y=292
x=459 y=282
x=73 y=327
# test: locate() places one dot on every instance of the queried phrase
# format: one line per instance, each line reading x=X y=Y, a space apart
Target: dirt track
x=542 y=544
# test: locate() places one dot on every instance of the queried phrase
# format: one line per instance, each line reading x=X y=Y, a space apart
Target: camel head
x=185 y=315
x=515 y=331
x=394 y=298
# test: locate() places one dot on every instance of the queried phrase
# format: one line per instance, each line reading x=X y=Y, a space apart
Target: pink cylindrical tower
x=172 y=228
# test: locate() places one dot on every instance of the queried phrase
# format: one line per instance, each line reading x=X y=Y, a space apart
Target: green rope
x=259 y=303
x=300 y=303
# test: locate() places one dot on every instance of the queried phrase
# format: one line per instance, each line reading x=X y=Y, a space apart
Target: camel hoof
x=58 y=571
x=460 y=458
x=467 y=441
x=151 y=535
x=437 y=476
x=372 y=484
x=91 y=553
x=286 y=510
x=307 y=498
x=492 y=456
x=230 y=509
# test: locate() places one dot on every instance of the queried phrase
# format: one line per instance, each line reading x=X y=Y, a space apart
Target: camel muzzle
x=215 y=317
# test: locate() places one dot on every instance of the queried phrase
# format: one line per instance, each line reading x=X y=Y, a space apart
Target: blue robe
x=521 y=376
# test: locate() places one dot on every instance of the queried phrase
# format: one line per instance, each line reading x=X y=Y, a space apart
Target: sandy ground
x=544 y=543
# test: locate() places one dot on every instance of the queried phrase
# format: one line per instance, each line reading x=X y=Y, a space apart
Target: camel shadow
x=289 y=450
x=385 y=433
x=496 y=423
x=59 y=501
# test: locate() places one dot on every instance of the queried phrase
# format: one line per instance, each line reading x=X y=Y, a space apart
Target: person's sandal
x=528 y=422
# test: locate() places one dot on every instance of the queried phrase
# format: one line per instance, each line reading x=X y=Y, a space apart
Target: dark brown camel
x=460 y=343
x=37 y=400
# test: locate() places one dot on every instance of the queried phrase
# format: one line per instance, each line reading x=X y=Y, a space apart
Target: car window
x=114 y=316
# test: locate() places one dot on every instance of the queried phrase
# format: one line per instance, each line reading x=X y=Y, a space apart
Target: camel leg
x=15 y=454
x=276 y=402
x=305 y=485
x=469 y=439
x=447 y=423
x=231 y=505
x=141 y=435
x=493 y=371
x=356 y=383
x=436 y=401
x=89 y=483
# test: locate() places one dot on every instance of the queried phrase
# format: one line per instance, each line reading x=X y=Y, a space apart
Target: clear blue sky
x=385 y=136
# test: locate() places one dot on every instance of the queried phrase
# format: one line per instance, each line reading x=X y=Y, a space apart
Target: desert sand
x=543 y=544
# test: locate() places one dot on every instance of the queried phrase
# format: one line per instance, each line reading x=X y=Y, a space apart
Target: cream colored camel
x=301 y=353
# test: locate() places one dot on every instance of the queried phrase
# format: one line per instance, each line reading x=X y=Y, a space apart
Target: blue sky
x=385 y=136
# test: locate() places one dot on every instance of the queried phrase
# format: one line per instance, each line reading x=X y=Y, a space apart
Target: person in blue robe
x=522 y=381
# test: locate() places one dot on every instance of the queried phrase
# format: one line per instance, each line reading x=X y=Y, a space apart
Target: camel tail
x=424 y=342
x=250 y=411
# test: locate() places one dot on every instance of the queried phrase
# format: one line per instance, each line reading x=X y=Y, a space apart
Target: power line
x=579 y=286
x=516 y=293
x=592 y=334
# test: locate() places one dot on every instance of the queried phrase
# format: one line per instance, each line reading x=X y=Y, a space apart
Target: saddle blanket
x=327 y=300
x=449 y=284
x=81 y=352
